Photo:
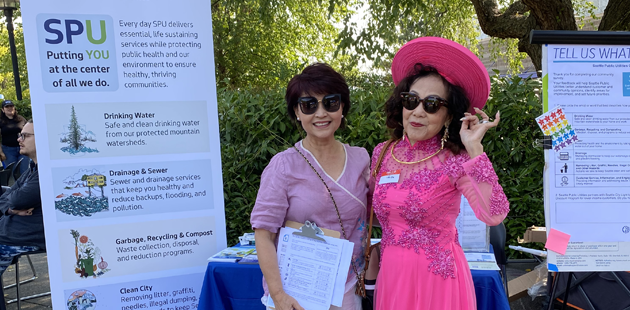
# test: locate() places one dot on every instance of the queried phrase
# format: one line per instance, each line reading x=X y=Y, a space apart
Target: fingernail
x=462 y=119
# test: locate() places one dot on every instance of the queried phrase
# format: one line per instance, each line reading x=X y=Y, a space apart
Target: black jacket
x=23 y=195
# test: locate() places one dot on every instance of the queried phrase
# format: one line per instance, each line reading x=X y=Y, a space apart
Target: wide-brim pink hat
x=457 y=64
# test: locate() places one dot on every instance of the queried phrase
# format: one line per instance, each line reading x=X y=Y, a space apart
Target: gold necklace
x=414 y=162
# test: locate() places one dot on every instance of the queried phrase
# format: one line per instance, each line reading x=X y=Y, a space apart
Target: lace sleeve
x=479 y=183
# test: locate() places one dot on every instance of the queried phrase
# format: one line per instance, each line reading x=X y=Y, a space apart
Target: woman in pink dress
x=433 y=157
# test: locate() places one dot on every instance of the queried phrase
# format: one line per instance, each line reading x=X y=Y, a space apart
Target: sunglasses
x=431 y=104
x=309 y=105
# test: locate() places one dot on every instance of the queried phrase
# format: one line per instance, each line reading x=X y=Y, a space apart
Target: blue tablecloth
x=231 y=286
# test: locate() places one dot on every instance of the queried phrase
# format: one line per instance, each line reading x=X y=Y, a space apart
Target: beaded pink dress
x=423 y=266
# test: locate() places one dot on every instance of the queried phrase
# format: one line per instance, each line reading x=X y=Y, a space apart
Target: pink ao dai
x=423 y=266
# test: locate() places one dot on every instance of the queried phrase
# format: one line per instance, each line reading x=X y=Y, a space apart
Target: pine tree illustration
x=75 y=137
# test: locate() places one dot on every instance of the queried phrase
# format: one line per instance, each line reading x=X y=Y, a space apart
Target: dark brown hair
x=317 y=79
x=457 y=104
x=4 y=118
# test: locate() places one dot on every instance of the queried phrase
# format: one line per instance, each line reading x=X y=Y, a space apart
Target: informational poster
x=473 y=234
x=124 y=102
x=587 y=183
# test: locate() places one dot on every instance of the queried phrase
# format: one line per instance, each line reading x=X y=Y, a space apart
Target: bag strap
x=334 y=203
x=368 y=249
x=379 y=162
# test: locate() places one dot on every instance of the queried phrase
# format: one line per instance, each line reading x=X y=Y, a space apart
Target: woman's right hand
x=3 y=157
x=268 y=260
x=285 y=302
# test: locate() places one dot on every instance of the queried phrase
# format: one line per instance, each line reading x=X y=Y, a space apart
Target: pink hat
x=457 y=64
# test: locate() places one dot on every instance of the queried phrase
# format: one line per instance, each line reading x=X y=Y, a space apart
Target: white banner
x=124 y=101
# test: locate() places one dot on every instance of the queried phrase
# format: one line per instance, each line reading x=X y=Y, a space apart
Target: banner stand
x=590 y=38
x=128 y=150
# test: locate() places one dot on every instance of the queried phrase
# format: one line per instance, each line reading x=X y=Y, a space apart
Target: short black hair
x=317 y=79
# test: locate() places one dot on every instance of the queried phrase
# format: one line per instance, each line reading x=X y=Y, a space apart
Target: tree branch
x=534 y=51
x=509 y=24
x=516 y=8
x=553 y=15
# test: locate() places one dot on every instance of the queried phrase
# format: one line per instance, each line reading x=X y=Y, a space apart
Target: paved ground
x=514 y=270
x=41 y=285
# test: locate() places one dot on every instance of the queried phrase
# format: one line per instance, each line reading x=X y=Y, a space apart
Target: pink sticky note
x=557 y=241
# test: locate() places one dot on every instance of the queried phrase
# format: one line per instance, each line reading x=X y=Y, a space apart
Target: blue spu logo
x=285 y=238
x=625 y=229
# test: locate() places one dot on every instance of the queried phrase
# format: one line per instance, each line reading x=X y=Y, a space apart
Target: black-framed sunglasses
x=431 y=104
x=308 y=105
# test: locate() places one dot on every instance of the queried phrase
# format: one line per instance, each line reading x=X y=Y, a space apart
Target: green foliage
x=365 y=125
x=254 y=126
x=264 y=43
x=23 y=107
x=247 y=120
x=391 y=23
x=511 y=148
x=506 y=50
x=584 y=12
x=7 y=85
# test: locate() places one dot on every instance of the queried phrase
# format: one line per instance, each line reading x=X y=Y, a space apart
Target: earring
x=298 y=119
x=341 y=115
x=445 y=136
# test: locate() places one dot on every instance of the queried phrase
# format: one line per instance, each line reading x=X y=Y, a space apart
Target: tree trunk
x=514 y=23
x=552 y=15
x=616 y=16
x=534 y=51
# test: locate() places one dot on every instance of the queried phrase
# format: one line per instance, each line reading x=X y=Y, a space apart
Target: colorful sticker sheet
x=555 y=124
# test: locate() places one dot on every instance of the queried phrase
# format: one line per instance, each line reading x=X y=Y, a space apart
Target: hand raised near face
x=473 y=130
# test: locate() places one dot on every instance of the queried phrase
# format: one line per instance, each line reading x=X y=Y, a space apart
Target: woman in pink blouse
x=319 y=100
x=434 y=156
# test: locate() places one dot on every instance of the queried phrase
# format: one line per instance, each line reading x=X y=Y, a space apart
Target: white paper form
x=309 y=268
x=480 y=257
x=590 y=180
x=483 y=266
x=587 y=184
x=473 y=233
x=481 y=261
x=342 y=273
x=592 y=256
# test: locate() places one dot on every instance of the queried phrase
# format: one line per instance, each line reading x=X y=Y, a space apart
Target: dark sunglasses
x=431 y=104
x=309 y=105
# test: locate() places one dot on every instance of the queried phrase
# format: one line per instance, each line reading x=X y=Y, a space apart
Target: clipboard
x=325 y=240
x=326 y=232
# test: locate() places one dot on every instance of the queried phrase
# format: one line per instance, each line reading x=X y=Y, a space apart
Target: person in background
x=11 y=123
x=22 y=223
x=434 y=156
x=318 y=99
